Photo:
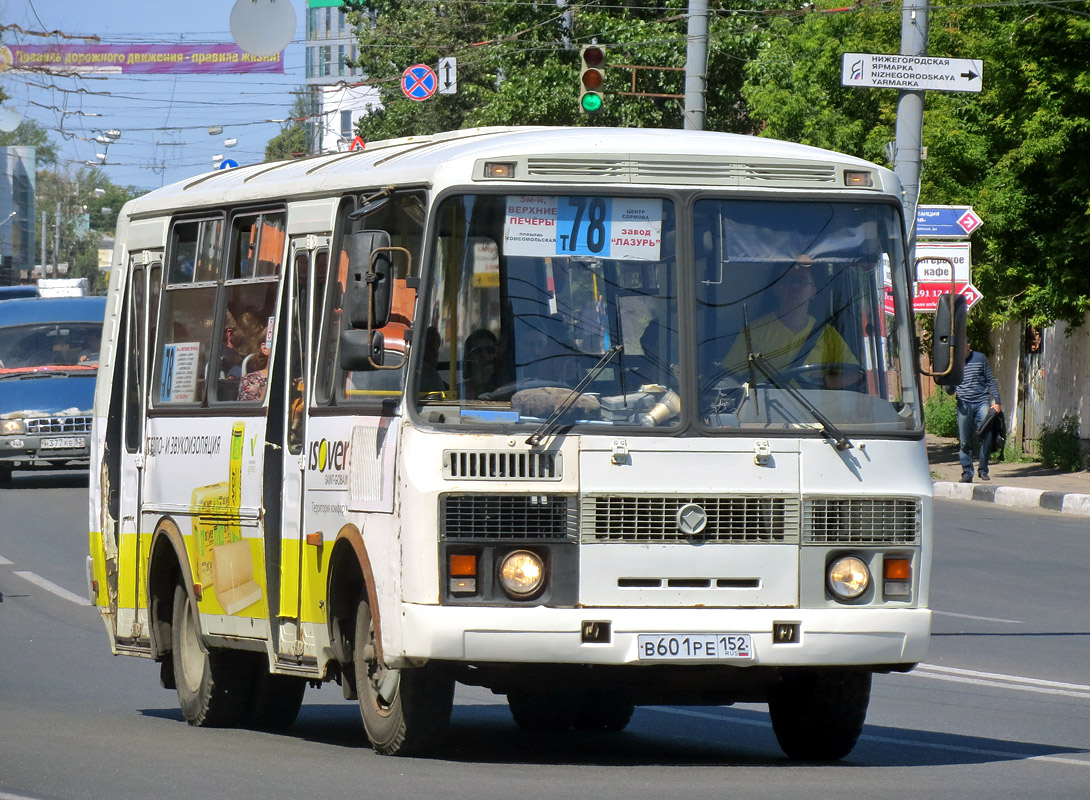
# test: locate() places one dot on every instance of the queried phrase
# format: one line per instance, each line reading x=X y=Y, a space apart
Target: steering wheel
x=832 y=375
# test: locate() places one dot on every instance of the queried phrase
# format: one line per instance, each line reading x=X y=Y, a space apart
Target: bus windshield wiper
x=550 y=424
x=840 y=441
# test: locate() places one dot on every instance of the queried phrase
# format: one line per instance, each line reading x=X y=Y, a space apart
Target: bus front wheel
x=817 y=715
x=214 y=688
x=405 y=711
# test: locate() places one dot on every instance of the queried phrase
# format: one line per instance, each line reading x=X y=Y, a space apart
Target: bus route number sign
x=621 y=228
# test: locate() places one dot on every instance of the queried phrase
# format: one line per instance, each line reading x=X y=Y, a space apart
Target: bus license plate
x=64 y=443
x=688 y=646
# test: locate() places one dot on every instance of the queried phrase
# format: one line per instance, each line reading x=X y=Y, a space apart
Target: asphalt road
x=1001 y=707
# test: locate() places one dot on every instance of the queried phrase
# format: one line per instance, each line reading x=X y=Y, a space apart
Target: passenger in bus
x=252 y=340
x=230 y=357
x=480 y=364
x=789 y=337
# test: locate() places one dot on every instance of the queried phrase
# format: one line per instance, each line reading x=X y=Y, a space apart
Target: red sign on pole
x=927 y=295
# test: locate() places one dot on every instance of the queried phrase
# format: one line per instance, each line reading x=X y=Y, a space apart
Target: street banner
x=136 y=59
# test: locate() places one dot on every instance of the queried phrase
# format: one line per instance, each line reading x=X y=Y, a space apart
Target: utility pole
x=696 y=65
x=57 y=241
x=908 y=142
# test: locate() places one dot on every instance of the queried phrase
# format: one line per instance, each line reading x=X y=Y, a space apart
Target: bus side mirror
x=361 y=350
x=370 y=279
x=948 y=342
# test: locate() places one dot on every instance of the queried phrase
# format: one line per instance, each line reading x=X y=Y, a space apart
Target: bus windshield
x=530 y=294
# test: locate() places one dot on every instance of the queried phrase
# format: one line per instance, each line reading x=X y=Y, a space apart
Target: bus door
x=142 y=302
x=309 y=262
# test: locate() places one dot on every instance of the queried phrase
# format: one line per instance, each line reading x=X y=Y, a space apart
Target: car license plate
x=689 y=646
x=64 y=443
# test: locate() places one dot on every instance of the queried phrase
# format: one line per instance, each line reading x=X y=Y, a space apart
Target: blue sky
x=163 y=119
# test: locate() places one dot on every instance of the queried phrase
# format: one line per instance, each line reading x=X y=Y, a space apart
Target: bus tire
x=276 y=699
x=214 y=688
x=545 y=710
x=405 y=711
x=604 y=711
x=817 y=715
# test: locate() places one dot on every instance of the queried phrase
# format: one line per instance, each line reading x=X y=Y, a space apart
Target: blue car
x=48 y=366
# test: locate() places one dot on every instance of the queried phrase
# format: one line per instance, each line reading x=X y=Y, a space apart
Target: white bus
x=594 y=418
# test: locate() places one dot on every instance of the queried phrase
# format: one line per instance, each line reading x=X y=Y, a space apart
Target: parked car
x=48 y=366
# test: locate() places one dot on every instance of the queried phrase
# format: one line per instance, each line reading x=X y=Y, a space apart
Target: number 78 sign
x=620 y=228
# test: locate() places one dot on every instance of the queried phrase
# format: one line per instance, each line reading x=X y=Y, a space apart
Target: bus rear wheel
x=405 y=711
x=214 y=688
x=817 y=715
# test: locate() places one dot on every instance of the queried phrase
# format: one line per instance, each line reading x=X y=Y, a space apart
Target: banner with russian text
x=140 y=59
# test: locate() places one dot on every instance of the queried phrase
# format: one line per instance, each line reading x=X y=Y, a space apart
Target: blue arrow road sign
x=228 y=163
x=418 y=82
x=946 y=222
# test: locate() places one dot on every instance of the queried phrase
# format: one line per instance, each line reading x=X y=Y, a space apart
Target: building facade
x=17 y=212
x=337 y=97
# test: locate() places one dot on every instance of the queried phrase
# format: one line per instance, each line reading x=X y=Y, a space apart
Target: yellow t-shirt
x=780 y=345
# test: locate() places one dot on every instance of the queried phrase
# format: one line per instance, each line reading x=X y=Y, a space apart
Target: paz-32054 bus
x=594 y=418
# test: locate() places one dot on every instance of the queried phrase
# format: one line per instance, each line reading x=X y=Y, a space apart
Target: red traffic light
x=594 y=56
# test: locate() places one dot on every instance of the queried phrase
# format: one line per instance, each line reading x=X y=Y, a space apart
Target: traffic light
x=592 y=75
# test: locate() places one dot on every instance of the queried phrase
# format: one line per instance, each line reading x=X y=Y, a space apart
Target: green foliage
x=940 y=413
x=1060 y=446
x=1016 y=151
x=31 y=134
x=291 y=142
x=518 y=63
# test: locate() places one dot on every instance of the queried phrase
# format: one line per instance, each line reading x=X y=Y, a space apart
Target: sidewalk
x=1028 y=485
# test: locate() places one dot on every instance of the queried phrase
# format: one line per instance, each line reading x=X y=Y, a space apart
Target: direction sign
x=927 y=295
x=228 y=163
x=931 y=266
x=946 y=222
x=911 y=73
x=448 y=75
x=418 y=82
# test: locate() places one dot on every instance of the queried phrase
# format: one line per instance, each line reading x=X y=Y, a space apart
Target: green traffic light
x=591 y=102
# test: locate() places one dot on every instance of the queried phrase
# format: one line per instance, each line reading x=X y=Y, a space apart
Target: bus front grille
x=519 y=517
x=861 y=520
x=728 y=520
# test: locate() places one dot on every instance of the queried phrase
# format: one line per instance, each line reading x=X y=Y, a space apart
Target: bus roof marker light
x=858 y=178
x=497 y=169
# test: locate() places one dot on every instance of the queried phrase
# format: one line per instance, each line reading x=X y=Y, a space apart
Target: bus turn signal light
x=897 y=577
x=463 y=573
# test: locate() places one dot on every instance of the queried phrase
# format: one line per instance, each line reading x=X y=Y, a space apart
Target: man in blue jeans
x=977 y=392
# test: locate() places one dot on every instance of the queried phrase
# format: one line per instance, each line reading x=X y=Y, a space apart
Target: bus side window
x=183 y=340
x=247 y=318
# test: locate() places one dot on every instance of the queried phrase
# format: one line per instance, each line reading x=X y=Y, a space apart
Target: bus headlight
x=847 y=577
x=12 y=426
x=522 y=574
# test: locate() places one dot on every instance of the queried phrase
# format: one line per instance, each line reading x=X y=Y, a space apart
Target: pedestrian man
x=977 y=392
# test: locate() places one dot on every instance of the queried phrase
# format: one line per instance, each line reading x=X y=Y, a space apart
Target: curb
x=1064 y=502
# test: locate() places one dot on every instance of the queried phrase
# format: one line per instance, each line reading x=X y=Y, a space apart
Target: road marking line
x=3 y=562
x=6 y=796
x=976 y=751
x=1020 y=682
x=49 y=586
x=981 y=619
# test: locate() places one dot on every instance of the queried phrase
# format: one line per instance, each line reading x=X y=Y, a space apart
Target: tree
x=518 y=62
x=291 y=142
x=1015 y=151
x=31 y=134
